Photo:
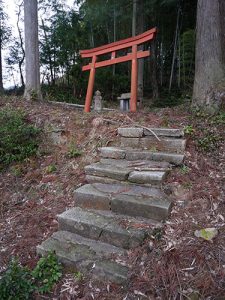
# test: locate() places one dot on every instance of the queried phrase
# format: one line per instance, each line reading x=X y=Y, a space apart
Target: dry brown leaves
x=177 y=266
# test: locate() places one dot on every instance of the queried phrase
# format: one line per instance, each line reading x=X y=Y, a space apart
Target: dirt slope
x=173 y=263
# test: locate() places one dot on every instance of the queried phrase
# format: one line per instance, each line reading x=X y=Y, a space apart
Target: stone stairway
x=120 y=205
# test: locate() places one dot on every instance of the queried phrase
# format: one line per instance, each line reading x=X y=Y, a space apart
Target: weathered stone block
x=110 y=270
x=112 y=152
x=173 y=158
x=176 y=159
x=138 y=155
x=127 y=142
x=100 y=226
x=83 y=254
x=99 y=169
x=138 y=165
x=98 y=179
x=88 y=196
x=131 y=132
x=156 y=209
x=170 y=132
x=151 y=143
x=147 y=177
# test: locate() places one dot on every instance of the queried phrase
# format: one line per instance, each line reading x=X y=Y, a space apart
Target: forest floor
x=173 y=264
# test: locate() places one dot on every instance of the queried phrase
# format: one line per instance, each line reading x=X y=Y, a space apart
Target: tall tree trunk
x=114 y=39
x=134 y=18
x=21 y=61
x=49 y=53
x=153 y=64
x=179 y=63
x=92 y=41
x=175 y=47
x=209 y=84
x=32 y=89
x=139 y=30
x=1 y=81
x=153 y=70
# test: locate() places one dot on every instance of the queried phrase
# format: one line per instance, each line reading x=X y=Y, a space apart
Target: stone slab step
x=151 y=143
x=135 y=178
x=140 y=132
x=112 y=152
x=101 y=226
x=111 y=171
x=125 y=173
x=136 y=154
x=98 y=179
x=85 y=255
x=138 y=165
x=132 y=200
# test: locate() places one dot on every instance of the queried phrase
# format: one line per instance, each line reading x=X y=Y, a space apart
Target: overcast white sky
x=10 y=7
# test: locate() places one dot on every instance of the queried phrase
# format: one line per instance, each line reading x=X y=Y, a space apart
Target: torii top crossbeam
x=94 y=53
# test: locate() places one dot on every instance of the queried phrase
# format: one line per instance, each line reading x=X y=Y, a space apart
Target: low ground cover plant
x=18 y=138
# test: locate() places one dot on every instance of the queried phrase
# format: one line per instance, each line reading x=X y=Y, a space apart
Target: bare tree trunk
x=92 y=41
x=161 y=63
x=114 y=39
x=32 y=89
x=1 y=44
x=49 y=54
x=174 y=48
x=134 y=18
x=209 y=84
x=179 y=63
x=21 y=61
x=139 y=30
x=1 y=81
x=153 y=67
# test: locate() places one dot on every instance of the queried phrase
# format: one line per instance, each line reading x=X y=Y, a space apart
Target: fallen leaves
x=207 y=234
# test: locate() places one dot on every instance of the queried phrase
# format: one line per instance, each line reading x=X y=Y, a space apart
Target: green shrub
x=47 y=272
x=18 y=138
x=19 y=283
x=16 y=283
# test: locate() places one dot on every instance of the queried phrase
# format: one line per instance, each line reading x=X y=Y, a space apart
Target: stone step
x=107 y=180
x=136 y=132
x=151 y=143
x=144 y=178
x=102 y=170
x=136 y=154
x=132 y=200
x=103 y=226
x=126 y=172
x=138 y=165
x=85 y=255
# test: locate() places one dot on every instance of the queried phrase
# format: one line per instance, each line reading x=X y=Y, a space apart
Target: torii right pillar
x=134 y=80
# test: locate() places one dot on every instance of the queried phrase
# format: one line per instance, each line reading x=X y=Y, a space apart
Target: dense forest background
x=168 y=74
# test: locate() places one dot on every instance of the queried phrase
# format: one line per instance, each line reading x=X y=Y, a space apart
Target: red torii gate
x=112 y=48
